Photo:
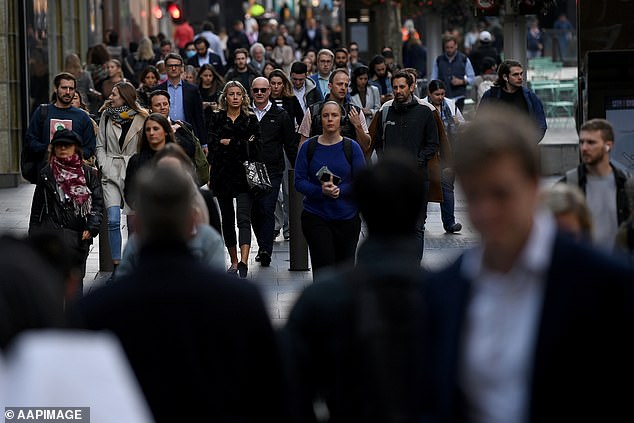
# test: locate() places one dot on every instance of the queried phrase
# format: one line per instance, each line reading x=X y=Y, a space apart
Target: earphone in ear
x=607 y=148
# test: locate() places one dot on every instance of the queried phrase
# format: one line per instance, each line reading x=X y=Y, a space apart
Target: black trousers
x=241 y=215
x=330 y=242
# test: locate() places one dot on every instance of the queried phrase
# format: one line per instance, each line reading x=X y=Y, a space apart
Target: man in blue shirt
x=185 y=101
x=325 y=60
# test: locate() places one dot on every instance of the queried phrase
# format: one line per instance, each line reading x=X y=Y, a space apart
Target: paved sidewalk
x=279 y=286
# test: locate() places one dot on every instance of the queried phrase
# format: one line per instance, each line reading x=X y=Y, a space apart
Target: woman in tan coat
x=120 y=130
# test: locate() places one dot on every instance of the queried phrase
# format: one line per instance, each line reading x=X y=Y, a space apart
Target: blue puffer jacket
x=535 y=106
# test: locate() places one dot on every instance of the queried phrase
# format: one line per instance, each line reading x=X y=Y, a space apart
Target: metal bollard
x=298 y=253
x=105 y=257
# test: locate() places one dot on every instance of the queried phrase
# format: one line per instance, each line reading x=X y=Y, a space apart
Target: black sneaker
x=258 y=257
x=456 y=227
x=265 y=258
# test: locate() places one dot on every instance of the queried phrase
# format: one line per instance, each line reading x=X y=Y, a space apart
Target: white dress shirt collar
x=260 y=113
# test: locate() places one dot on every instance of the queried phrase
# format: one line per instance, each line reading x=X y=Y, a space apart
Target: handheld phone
x=325 y=175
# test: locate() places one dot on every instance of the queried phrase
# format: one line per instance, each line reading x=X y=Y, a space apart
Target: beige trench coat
x=112 y=160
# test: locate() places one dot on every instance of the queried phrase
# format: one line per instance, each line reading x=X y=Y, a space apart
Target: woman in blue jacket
x=324 y=170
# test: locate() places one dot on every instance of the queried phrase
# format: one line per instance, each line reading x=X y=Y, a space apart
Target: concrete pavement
x=279 y=286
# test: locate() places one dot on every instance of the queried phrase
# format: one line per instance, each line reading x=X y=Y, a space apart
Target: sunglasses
x=259 y=90
x=173 y=66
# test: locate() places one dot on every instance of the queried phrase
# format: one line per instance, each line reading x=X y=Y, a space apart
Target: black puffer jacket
x=48 y=206
x=135 y=164
x=228 y=177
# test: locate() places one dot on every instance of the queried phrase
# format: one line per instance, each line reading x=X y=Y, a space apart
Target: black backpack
x=32 y=162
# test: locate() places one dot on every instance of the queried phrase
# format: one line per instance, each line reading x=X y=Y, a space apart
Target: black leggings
x=243 y=214
x=330 y=241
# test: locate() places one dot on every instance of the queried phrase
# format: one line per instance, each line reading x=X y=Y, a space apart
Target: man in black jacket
x=185 y=101
x=409 y=126
x=278 y=136
x=242 y=71
x=200 y=344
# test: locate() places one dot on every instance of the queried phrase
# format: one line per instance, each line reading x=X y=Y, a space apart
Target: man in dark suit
x=311 y=36
x=531 y=326
x=204 y=55
x=200 y=344
x=186 y=104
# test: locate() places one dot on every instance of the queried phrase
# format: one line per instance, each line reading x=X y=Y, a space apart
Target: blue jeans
x=114 y=232
x=263 y=215
x=447 y=179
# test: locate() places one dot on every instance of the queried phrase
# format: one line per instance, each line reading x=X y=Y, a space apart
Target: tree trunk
x=392 y=28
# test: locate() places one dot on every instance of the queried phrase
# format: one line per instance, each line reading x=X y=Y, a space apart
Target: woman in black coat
x=282 y=96
x=68 y=200
x=157 y=133
x=234 y=135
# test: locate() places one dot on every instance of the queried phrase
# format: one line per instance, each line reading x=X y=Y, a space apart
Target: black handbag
x=257 y=175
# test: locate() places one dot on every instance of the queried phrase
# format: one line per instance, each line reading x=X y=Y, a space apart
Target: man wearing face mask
x=204 y=55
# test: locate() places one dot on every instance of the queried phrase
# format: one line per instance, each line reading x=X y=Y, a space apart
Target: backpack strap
x=572 y=177
x=312 y=146
x=384 y=112
x=315 y=118
x=347 y=149
x=43 y=113
x=43 y=117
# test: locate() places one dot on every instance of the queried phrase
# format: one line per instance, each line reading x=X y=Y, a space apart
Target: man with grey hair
x=258 y=57
x=170 y=315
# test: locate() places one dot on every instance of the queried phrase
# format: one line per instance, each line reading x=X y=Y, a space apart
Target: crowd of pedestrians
x=522 y=328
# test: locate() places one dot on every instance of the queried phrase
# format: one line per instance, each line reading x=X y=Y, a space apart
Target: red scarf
x=69 y=175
